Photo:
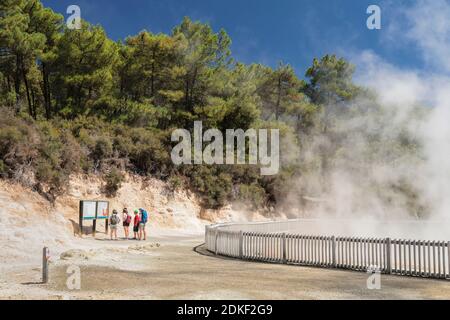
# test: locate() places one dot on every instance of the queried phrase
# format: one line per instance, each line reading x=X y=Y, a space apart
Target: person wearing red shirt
x=136 y=222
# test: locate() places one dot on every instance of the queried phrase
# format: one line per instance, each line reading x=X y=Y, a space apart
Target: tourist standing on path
x=114 y=221
x=144 y=218
x=136 y=221
x=126 y=218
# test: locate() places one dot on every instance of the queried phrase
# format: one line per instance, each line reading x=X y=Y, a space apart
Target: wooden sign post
x=80 y=219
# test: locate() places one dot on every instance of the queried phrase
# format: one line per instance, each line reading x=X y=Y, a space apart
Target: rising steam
x=392 y=153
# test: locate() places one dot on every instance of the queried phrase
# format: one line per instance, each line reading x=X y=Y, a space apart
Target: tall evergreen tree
x=203 y=52
x=22 y=44
x=85 y=63
x=280 y=88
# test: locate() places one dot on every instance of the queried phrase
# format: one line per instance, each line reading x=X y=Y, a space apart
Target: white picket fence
x=391 y=256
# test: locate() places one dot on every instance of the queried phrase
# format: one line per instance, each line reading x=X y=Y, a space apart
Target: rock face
x=166 y=209
x=180 y=209
x=28 y=223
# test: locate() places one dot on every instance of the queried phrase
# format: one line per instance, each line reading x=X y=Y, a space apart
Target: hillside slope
x=28 y=222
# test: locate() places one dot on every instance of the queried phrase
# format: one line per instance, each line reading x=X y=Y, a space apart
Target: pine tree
x=203 y=52
x=85 y=63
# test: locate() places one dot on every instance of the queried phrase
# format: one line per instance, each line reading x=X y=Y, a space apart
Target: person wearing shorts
x=143 y=217
x=136 y=222
x=126 y=218
x=142 y=232
x=114 y=221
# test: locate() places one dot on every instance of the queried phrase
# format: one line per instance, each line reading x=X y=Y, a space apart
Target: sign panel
x=88 y=210
x=102 y=210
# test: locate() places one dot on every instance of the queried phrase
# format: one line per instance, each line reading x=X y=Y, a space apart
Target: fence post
x=283 y=244
x=215 y=241
x=45 y=257
x=333 y=251
x=241 y=244
x=80 y=221
x=448 y=258
x=388 y=256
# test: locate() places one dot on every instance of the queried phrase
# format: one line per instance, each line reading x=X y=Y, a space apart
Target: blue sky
x=262 y=31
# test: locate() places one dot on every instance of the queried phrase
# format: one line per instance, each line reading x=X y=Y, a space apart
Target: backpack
x=114 y=219
x=144 y=216
x=128 y=220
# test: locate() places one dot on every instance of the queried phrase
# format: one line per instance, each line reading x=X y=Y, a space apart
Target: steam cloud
x=393 y=155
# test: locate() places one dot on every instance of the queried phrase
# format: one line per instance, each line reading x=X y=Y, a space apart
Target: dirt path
x=167 y=267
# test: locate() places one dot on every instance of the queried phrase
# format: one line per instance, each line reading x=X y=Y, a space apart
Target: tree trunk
x=8 y=83
x=277 y=106
x=186 y=94
x=27 y=88
x=152 y=80
x=17 y=81
x=80 y=87
x=34 y=104
x=46 y=92
x=194 y=80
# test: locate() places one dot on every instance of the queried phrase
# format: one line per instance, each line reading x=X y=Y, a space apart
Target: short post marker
x=45 y=259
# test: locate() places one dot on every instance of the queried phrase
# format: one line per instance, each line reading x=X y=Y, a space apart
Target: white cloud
x=426 y=25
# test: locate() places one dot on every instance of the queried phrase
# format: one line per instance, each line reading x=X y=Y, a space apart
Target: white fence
x=392 y=256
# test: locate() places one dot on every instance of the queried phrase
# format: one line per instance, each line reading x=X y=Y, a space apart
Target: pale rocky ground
x=166 y=265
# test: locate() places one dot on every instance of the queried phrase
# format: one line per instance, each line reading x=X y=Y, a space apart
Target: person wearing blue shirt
x=144 y=218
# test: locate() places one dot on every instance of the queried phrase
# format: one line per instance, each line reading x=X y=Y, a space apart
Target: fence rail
x=391 y=256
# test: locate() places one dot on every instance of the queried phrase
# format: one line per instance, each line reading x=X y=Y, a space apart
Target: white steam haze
x=374 y=176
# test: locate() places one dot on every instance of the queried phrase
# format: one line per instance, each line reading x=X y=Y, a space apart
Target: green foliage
x=18 y=142
x=175 y=183
x=330 y=81
x=85 y=63
x=148 y=154
x=114 y=179
x=279 y=89
x=213 y=184
x=148 y=69
x=3 y=169
x=103 y=148
x=253 y=194
x=48 y=174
